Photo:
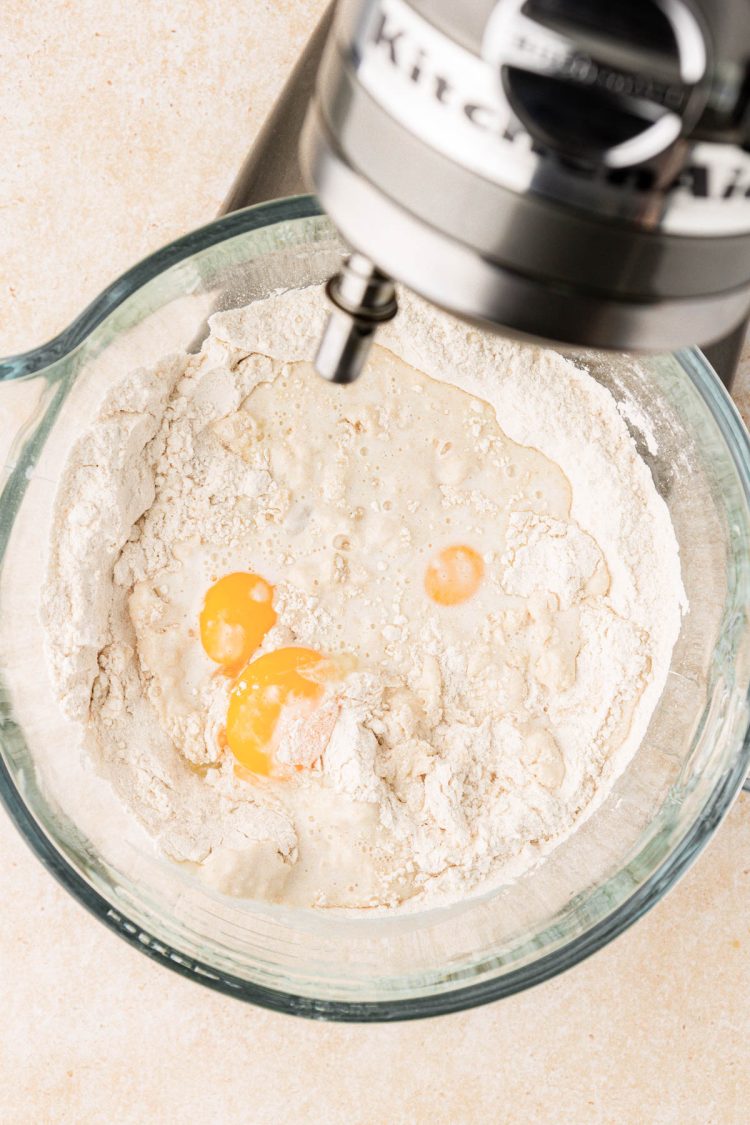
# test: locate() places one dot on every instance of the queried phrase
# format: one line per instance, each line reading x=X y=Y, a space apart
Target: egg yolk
x=454 y=575
x=237 y=613
x=279 y=679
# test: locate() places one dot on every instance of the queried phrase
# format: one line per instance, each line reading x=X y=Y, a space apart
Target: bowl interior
x=655 y=820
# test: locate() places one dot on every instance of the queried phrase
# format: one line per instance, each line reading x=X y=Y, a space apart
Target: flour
x=463 y=743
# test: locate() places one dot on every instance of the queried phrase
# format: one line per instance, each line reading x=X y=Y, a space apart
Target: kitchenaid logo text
x=413 y=61
x=395 y=45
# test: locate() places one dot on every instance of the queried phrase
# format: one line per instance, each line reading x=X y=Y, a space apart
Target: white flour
x=466 y=742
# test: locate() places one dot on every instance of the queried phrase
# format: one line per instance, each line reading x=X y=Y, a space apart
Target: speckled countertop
x=121 y=126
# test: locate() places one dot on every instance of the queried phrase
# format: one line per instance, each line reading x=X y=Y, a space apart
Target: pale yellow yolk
x=454 y=575
x=283 y=678
x=237 y=613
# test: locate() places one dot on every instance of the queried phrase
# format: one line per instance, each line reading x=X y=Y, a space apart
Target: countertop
x=121 y=126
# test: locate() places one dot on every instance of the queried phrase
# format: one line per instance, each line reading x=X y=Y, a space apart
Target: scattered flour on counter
x=465 y=742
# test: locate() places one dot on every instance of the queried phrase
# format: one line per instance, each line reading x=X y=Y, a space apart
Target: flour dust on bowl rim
x=660 y=813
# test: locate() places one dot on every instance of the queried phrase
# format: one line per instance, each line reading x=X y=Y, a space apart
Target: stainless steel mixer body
x=572 y=170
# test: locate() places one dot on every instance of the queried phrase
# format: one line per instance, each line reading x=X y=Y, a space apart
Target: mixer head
x=569 y=170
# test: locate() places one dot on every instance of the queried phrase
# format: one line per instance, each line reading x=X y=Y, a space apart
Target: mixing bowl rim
x=458 y=999
x=123 y=287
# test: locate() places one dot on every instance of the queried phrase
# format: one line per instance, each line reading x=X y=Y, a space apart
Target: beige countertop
x=121 y=126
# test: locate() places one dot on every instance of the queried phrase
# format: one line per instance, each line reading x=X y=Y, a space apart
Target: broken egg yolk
x=454 y=575
x=284 y=678
x=237 y=613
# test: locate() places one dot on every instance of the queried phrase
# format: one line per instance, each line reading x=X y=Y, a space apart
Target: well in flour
x=466 y=739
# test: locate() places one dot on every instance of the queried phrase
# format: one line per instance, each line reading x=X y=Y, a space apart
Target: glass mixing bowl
x=620 y=862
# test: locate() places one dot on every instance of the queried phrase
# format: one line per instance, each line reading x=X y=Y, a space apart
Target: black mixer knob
x=613 y=81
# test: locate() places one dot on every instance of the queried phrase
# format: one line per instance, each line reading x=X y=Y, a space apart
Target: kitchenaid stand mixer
x=565 y=170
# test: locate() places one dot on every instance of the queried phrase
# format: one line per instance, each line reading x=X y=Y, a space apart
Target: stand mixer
x=566 y=170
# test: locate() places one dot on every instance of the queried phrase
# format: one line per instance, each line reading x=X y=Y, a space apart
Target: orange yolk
x=283 y=678
x=454 y=575
x=237 y=613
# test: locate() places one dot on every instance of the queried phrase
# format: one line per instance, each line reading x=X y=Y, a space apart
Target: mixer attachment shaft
x=362 y=298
